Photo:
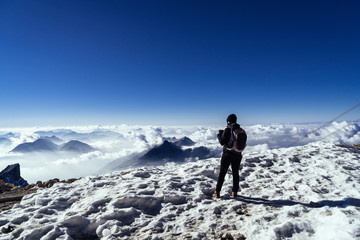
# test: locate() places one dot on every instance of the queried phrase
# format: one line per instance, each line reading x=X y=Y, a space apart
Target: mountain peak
x=38 y=145
x=185 y=141
x=76 y=146
x=166 y=151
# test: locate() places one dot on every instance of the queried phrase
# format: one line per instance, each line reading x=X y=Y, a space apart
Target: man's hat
x=231 y=118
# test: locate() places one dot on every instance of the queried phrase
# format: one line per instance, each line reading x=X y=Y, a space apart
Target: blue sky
x=177 y=62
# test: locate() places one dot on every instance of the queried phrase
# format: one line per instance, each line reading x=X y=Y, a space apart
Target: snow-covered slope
x=173 y=201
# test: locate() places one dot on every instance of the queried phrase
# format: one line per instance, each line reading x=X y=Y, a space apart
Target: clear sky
x=177 y=62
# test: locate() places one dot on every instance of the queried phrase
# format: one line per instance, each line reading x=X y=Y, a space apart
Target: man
x=233 y=139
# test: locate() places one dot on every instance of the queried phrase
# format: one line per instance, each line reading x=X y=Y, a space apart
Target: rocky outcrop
x=11 y=174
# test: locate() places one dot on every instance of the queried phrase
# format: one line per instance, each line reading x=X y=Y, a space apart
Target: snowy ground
x=173 y=201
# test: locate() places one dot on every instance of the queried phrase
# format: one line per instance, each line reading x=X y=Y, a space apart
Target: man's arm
x=224 y=136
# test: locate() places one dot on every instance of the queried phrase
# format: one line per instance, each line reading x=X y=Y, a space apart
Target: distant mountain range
x=45 y=144
x=69 y=134
x=5 y=139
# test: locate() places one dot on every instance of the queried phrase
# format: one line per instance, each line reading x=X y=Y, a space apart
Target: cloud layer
x=120 y=142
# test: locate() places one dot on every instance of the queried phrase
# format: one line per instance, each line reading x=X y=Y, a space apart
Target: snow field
x=174 y=201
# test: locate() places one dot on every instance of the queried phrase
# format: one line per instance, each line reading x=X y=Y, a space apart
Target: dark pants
x=228 y=159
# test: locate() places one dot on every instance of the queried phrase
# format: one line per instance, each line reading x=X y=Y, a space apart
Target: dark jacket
x=224 y=138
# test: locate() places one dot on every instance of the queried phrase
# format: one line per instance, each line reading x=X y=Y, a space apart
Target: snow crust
x=174 y=201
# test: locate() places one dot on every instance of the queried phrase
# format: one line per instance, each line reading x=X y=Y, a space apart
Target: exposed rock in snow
x=174 y=201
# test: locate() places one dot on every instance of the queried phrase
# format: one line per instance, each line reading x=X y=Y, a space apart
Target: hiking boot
x=233 y=195
x=216 y=195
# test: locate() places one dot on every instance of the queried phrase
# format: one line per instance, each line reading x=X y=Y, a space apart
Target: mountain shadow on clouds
x=46 y=145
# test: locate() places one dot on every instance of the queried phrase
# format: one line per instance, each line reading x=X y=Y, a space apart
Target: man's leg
x=235 y=165
x=225 y=163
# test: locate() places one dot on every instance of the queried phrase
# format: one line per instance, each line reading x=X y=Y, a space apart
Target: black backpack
x=238 y=137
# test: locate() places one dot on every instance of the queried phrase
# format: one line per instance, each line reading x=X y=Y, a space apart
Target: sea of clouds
x=123 y=141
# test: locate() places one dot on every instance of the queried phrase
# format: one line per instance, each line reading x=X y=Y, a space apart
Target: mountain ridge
x=46 y=145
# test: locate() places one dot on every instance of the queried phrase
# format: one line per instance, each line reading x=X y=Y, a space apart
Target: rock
x=39 y=184
x=30 y=186
x=71 y=180
x=11 y=174
x=217 y=211
x=5 y=188
x=15 y=188
x=282 y=171
x=226 y=236
x=8 y=229
x=239 y=237
x=326 y=213
x=56 y=180
x=9 y=185
x=295 y=159
x=49 y=184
